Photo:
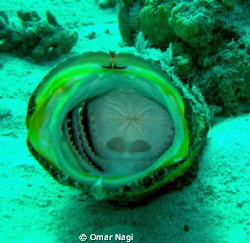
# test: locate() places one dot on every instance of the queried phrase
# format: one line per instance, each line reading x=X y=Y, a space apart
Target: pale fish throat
x=124 y=131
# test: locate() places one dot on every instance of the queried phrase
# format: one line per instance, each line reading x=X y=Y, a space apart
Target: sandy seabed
x=35 y=208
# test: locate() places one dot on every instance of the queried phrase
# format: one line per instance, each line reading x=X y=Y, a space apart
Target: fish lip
x=107 y=182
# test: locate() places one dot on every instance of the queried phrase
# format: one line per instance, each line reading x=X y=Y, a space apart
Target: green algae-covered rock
x=194 y=26
x=36 y=39
x=209 y=44
x=155 y=26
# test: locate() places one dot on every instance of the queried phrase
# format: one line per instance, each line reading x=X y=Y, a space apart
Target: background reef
x=208 y=41
x=213 y=208
x=36 y=40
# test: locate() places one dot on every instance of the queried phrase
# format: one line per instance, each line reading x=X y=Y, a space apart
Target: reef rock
x=36 y=39
x=208 y=41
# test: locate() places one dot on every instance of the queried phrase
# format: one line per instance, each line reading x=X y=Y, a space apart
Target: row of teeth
x=74 y=131
x=79 y=154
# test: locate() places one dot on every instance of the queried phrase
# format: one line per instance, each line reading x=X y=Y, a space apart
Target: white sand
x=35 y=208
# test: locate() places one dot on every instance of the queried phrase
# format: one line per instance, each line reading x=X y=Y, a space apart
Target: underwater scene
x=125 y=121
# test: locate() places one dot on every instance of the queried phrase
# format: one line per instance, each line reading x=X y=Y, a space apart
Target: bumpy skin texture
x=209 y=47
x=36 y=40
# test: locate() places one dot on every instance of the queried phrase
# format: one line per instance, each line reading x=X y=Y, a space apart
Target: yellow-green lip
x=58 y=106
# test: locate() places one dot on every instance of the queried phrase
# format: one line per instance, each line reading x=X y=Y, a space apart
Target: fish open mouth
x=118 y=119
x=119 y=132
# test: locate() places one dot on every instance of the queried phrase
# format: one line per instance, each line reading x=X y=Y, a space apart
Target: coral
x=141 y=43
x=178 y=58
x=155 y=27
x=232 y=77
x=229 y=4
x=196 y=23
x=205 y=43
x=36 y=39
x=129 y=22
x=235 y=96
x=149 y=17
x=194 y=26
x=182 y=60
x=127 y=31
x=231 y=93
x=153 y=2
x=107 y=3
x=225 y=82
x=129 y=2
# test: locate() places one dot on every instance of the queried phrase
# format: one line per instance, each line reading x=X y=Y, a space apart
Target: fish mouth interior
x=119 y=132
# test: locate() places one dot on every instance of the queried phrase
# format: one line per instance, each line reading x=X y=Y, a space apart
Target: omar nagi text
x=118 y=237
